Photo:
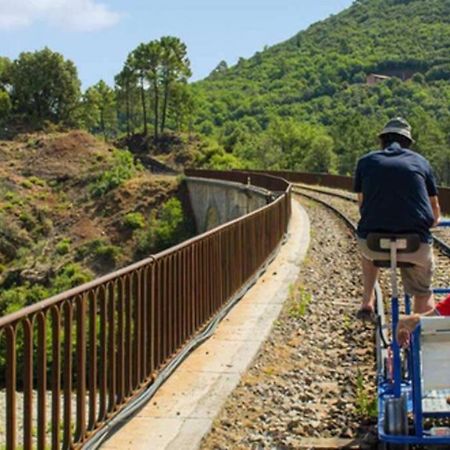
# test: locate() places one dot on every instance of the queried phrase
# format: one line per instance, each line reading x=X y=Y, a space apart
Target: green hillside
x=306 y=103
x=73 y=208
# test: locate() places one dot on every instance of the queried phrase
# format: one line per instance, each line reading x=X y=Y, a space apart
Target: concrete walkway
x=183 y=410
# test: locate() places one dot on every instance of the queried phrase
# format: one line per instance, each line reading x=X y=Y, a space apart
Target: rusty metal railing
x=75 y=360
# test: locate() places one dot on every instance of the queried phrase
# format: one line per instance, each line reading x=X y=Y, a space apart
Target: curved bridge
x=78 y=360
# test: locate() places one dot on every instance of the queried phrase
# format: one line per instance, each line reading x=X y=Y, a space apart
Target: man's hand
x=436 y=210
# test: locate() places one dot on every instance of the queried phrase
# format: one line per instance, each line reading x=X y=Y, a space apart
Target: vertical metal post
x=395 y=317
x=417 y=386
x=393 y=247
x=410 y=360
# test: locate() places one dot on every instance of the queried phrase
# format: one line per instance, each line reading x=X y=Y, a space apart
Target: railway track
x=346 y=205
x=381 y=336
x=260 y=413
x=313 y=382
x=338 y=200
x=441 y=238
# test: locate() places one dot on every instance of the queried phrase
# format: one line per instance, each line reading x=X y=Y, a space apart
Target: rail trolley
x=413 y=383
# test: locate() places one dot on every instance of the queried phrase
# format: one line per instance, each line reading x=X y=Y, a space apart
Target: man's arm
x=436 y=209
x=360 y=199
x=357 y=184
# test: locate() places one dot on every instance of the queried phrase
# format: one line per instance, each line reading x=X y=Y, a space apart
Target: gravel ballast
x=314 y=379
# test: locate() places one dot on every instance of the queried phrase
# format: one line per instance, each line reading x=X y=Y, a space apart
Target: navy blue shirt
x=396 y=184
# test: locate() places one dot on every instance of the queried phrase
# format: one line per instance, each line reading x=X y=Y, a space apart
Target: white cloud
x=74 y=15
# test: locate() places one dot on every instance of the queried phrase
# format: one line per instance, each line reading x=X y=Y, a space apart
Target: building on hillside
x=374 y=78
x=403 y=74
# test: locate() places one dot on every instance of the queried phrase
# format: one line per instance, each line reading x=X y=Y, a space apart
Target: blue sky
x=98 y=34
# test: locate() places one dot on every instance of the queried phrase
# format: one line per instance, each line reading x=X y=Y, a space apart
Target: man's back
x=396 y=184
x=397 y=194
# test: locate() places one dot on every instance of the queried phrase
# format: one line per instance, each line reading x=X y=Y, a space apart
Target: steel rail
x=381 y=334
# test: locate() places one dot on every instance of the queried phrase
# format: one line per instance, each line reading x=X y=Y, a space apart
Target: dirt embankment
x=70 y=198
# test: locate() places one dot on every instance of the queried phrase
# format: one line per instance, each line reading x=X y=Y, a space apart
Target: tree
x=293 y=140
x=99 y=105
x=153 y=75
x=139 y=66
x=44 y=86
x=125 y=88
x=5 y=73
x=175 y=68
x=321 y=157
x=220 y=69
x=5 y=100
x=182 y=106
x=160 y=66
x=145 y=62
x=5 y=106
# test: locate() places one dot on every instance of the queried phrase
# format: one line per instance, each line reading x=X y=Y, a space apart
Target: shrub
x=169 y=225
x=46 y=226
x=134 y=220
x=37 y=181
x=18 y=297
x=63 y=247
x=27 y=184
x=13 y=198
x=164 y=230
x=124 y=168
x=27 y=220
x=101 y=251
x=70 y=276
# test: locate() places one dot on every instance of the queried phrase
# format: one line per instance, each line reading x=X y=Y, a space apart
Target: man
x=397 y=193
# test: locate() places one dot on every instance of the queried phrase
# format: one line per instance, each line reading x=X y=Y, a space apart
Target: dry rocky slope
x=313 y=381
x=69 y=197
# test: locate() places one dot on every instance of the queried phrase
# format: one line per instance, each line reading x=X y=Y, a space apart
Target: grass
x=300 y=300
x=347 y=322
x=366 y=404
x=269 y=370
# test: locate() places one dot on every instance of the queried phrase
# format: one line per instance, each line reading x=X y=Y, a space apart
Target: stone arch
x=236 y=211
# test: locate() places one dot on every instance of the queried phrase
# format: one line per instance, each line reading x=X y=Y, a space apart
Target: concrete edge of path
x=184 y=408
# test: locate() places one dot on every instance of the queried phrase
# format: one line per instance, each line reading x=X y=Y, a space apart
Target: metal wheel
x=396 y=421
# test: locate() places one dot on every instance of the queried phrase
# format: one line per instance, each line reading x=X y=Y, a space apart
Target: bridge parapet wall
x=215 y=202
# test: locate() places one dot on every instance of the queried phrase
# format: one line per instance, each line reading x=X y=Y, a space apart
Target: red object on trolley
x=443 y=307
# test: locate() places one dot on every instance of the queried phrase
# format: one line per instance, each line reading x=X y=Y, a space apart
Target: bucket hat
x=398 y=126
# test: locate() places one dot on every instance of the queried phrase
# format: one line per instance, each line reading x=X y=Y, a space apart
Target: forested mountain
x=309 y=103
x=315 y=102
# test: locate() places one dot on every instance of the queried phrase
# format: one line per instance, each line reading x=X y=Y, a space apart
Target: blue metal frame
x=410 y=385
